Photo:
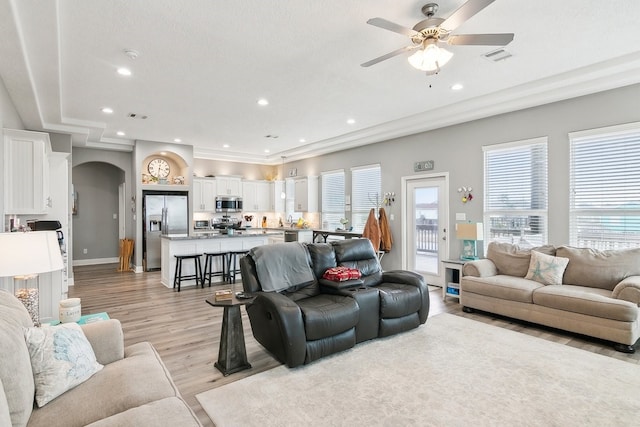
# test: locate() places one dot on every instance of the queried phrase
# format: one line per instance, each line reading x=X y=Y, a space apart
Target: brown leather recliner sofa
x=300 y=317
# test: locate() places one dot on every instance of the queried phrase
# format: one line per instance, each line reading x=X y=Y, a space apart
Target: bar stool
x=208 y=266
x=232 y=266
x=178 y=277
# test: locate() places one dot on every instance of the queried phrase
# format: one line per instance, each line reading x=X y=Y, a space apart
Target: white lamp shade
x=32 y=252
x=471 y=231
x=430 y=58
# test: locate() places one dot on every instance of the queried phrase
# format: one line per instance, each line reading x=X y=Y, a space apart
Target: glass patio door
x=426 y=226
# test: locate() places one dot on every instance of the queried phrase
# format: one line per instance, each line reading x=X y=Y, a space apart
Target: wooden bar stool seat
x=208 y=272
x=178 y=277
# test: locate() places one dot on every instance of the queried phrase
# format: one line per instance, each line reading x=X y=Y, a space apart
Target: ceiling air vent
x=137 y=116
x=497 y=55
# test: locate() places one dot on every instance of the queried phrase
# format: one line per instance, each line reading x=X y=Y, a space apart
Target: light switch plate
x=461 y=216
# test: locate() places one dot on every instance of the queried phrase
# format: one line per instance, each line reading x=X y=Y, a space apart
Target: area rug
x=451 y=371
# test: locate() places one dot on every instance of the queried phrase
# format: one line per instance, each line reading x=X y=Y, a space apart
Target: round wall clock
x=159 y=168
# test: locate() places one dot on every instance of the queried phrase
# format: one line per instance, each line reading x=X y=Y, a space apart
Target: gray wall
x=118 y=164
x=94 y=227
x=202 y=167
x=458 y=151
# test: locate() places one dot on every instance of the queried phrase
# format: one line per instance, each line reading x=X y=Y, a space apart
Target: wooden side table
x=452 y=275
x=232 y=356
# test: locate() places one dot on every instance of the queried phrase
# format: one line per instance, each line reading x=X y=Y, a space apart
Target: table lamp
x=24 y=255
x=469 y=233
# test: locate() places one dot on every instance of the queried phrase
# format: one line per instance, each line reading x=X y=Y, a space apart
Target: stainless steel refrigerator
x=163 y=214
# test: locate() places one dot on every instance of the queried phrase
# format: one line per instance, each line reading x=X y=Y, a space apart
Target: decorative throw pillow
x=61 y=358
x=546 y=269
x=341 y=274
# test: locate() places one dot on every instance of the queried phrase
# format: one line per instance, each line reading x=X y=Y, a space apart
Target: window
x=365 y=193
x=332 y=199
x=515 y=182
x=604 y=210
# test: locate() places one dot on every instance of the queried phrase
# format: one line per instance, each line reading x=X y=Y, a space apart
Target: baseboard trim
x=95 y=261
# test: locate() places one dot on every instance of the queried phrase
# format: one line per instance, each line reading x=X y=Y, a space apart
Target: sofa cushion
x=513 y=260
x=170 y=411
x=358 y=254
x=139 y=378
x=501 y=286
x=5 y=414
x=599 y=269
x=398 y=300
x=326 y=315
x=61 y=358
x=322 y=257
x=15 y=365
x=546 y=269
x=590 y=301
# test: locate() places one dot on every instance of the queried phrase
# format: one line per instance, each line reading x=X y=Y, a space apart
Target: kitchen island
x=183 y=244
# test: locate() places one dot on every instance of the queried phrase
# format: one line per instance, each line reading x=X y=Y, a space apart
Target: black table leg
x=232 y=356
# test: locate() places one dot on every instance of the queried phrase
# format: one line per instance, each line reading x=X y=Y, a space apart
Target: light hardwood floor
x=186 y=330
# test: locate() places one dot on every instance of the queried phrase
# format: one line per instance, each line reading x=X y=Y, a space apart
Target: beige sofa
x=133 y=389
x=598 y=296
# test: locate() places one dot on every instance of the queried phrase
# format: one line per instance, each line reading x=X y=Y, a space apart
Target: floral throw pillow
x=61 y=358
x=546 y=269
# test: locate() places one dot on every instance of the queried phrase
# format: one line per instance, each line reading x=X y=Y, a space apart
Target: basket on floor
x=126 y=250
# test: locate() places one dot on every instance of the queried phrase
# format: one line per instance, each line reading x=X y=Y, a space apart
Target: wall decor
x=466 y=194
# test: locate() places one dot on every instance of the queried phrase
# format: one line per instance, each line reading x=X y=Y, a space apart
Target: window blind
x=604 y=211
x=332 y=199
x=516 y=187
x=365 y=190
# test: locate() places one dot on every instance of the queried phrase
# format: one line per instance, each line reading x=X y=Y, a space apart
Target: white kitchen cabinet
x=256 y=196
x=204 y=194
x=306 y=194
x=277 y=201
x=26 y=172
x=229 y=186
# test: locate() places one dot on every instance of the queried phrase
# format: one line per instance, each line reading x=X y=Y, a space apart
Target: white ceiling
x=204 y=64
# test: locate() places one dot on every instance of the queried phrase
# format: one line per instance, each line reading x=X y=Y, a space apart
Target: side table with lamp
x=25 y=255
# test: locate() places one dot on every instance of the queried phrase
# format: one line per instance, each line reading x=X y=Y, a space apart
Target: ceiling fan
x=429 y=34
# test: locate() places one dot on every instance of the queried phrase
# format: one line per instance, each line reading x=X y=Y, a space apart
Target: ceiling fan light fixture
x=431 y=58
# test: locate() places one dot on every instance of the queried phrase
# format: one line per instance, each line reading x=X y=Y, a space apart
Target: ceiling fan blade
x=391 y=26
x=463 y=13
x=389 y=55
x=481 y=39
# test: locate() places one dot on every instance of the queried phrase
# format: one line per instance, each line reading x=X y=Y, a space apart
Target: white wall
x=458 y=151
x=9 y=119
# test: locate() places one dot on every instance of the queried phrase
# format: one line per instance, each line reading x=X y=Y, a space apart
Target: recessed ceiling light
x=302 y=140
x=263 y=102
x=267 y=150
x=120 y=133
x=124 y=71
x=107 y=110
x=225 y=146
x=177 y=140
x=351 y=121
x=457 y=86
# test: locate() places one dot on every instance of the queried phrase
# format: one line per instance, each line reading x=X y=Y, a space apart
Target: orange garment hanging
x=386 y=241
x=372 y=230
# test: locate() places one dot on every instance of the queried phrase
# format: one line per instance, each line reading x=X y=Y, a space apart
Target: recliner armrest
x=628 y=290
x=479 y=268
x=290 y=342
x=405 y=277
x=106 y=339
x=333 y=285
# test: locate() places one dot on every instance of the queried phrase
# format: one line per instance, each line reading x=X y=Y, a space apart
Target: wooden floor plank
x=186 y=331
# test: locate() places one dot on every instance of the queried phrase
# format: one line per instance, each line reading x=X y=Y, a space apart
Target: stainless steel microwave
x=228 y=204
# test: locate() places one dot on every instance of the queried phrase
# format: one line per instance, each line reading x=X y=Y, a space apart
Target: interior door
x=425 y=223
